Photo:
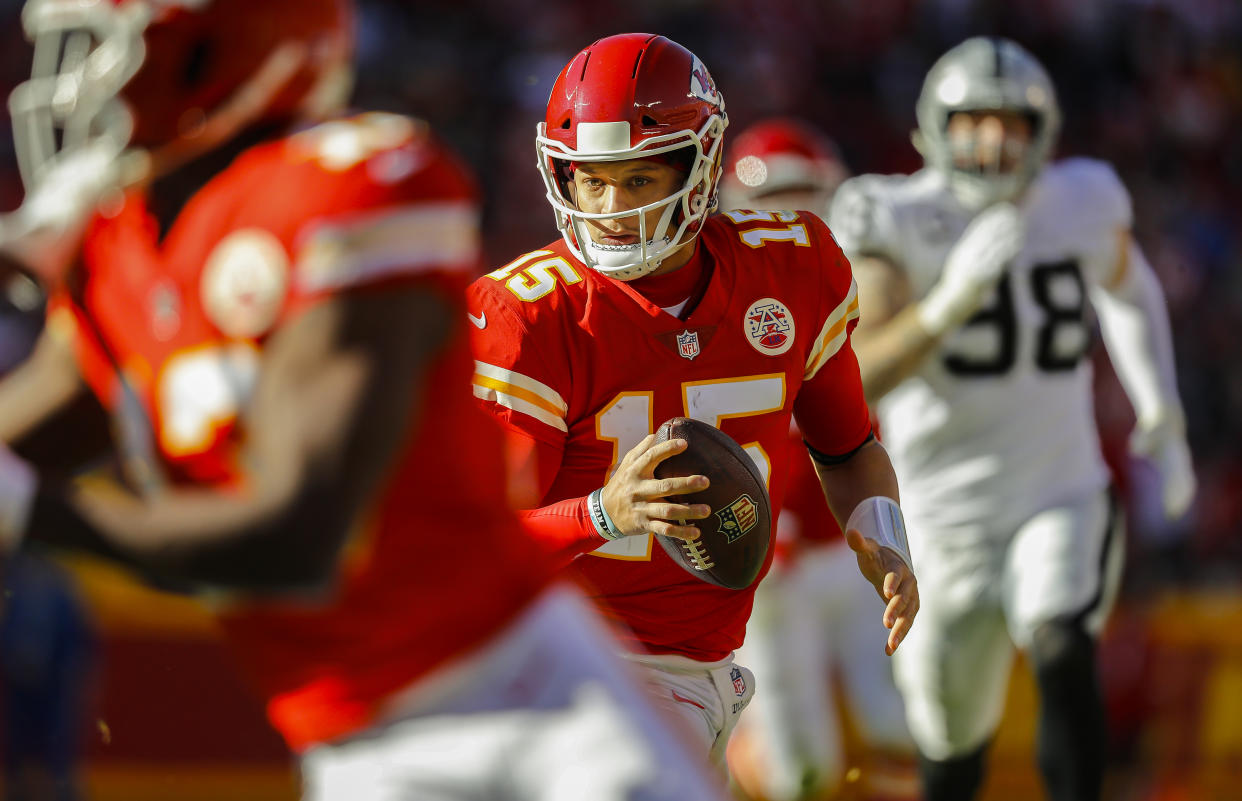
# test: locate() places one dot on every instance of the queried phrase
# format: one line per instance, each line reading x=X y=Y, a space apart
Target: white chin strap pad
x=880 y=519
x=624 y=262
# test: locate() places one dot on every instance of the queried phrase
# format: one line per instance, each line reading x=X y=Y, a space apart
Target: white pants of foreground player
x=706 y=697
x=815 y=618
x=546 y=713
x=982 y=595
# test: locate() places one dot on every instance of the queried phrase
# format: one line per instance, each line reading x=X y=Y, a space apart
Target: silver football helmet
x=987 y=74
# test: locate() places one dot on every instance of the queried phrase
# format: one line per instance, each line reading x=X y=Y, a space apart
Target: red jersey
x=585 y=365
x=169 y=335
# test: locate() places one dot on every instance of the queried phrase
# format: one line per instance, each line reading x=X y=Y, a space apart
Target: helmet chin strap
x=613 y=259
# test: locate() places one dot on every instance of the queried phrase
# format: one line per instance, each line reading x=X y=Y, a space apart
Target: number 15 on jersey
x=628 y=418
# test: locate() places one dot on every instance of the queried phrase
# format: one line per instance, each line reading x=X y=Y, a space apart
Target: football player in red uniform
x=808 y=633
x=782 y=163
x=276 y=322
x=650 y=309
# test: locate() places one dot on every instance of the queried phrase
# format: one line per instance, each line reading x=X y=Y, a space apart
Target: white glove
x=18 y=482
x=973 y=267
x=44 y=233
x=1163 y=443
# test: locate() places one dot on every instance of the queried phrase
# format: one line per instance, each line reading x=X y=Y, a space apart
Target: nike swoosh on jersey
x=480 y=322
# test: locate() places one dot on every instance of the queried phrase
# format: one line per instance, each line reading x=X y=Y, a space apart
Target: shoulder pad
x=341 y=144
x=386 y=198
x=534 y=276
x=1092 y=186
x=861 y=217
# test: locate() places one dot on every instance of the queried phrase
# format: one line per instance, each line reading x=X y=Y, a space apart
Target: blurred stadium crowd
x=1152 y=86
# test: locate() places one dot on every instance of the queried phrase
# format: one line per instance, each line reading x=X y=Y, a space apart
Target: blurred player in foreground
x=651 y=309
x=275 y=320
x=975 y=276
x=829 y=703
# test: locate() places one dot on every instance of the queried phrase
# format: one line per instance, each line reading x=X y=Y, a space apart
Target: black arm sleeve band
x=832 y=460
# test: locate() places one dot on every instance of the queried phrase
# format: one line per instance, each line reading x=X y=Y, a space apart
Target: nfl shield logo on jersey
x=769 y=326
x=739 y=682
x=688 y=344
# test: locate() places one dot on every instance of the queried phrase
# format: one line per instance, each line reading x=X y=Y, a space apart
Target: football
x=733 y=541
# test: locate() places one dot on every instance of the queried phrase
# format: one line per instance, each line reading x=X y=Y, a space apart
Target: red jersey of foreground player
x=169 y=332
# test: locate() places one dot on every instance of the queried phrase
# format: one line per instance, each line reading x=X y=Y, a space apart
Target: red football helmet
x=776 y=159
x=630 y=96
x=184 y=70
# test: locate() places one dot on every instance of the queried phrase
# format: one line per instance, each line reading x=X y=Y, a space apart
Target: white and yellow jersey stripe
x=360 y=248
x=833 y=333
x=520 y=393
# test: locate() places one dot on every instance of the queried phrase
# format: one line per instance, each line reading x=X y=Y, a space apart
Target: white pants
x=979 y=599
x=547 y=712
x=813 y=618
x=707 y=697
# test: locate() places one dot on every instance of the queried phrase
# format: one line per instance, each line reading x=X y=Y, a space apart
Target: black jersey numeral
x=1059 y=314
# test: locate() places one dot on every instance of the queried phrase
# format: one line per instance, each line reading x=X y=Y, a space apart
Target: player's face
x=988 y=142
x=615 y=186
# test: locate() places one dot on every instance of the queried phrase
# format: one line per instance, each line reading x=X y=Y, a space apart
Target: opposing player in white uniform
x=810 y=640
x=975 y=279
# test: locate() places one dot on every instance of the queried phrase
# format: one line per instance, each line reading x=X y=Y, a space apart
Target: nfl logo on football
x=738 y=517
x=739 y=683
x=688 y=344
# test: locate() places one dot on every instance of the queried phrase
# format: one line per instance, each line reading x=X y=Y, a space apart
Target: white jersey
x=999 y=423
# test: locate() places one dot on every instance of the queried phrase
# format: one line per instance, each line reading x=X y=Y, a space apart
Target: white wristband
x=18 y=482
x=599 y=517
x=879 y=518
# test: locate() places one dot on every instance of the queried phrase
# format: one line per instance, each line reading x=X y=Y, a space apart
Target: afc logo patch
x=739 y=681
x=688 y=344
x=244 y=283
x=738 y=518
x=769 y=326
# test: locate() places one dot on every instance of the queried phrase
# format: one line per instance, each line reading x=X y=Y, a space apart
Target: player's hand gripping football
x=893 y=580
x=640 y=503
x=973 y=267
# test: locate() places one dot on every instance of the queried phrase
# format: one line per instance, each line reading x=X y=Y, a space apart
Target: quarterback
x=976 y=275
x=273 y=314
x=647 y=308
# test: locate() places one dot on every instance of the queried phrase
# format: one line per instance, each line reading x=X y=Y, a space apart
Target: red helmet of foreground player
x=160 y=74
x=779 y=156
x=629 y=96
